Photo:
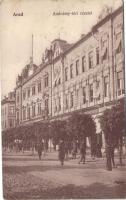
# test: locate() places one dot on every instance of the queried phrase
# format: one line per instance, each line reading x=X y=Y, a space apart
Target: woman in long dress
x=61 y=152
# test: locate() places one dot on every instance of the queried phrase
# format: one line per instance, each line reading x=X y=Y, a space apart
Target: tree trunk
x=120 y=151
x=108 y=159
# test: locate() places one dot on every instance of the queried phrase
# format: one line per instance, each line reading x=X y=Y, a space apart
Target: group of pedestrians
x=66 y=148
x=82 y=149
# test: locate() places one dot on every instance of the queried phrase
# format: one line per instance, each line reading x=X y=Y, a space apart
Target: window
x=97 y=56
x=10 y=122
x=77 y=96
x=18 y=98
x=106 y=86
x=55 y=106
x=66 y=74
x=104 y=50
x=71 y=100
x=97 y=84
x=33 y=90
x=77 y=67
x=39 y=108
x=28 y=112
x=24 y=113
x=119 y=44
x=2 y=124
x=90 y=56
x=33 y=110
x=39 y=87
x=118 y=36
x=104 y=43
x=66 y=101
x=2 y=113
x=55 y=84
x=120 y=83
x=59 y=81
x=71 y=71
x=28 y=92
x=84 y=94
x=47 y=106
x=18 y=117
x=24 y=95
x=59 y=103
x=97 y=89
x=91 y=92
x=46 y=80
x=83 y=64
x=11 y=110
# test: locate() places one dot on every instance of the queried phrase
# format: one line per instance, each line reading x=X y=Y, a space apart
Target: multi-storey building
x=33 y=90
x=92 y=70
x=87 y=76
x=8 y=111
x=32 y=93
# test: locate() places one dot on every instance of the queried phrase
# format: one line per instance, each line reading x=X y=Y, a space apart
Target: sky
x=38 y=19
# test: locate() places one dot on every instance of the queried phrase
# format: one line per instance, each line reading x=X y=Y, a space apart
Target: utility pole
x=32 y=47
x=31 y=57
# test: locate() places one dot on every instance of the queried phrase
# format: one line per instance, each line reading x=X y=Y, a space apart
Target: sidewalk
x=26 y=176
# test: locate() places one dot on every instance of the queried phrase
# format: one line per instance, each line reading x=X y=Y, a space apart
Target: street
x=25 y=177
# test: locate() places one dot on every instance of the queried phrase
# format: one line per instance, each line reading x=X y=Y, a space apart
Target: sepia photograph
x=63 y=99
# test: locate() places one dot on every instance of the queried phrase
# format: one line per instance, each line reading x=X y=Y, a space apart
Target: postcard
x=62 y=99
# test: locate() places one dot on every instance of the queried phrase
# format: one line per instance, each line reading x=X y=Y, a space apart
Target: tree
x=112 y=123
x=41 y=130
x=58 y=130
x=80 y=126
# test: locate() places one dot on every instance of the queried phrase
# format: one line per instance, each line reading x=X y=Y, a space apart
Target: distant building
x=8 y=111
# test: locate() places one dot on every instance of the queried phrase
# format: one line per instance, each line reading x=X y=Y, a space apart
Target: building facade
x=87 y=76
x=92 y=70
x=8 y=111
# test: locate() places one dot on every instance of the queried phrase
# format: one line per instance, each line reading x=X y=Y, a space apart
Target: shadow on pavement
x=95 y=190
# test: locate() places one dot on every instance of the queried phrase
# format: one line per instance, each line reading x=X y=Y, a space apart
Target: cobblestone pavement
x=25 y=177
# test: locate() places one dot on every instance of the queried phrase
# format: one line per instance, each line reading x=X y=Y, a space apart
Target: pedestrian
x=112 y=149
x=61 y=152
x=74 y=149
x=93 y=146
x=40 y=149
x=82 y=152
x=110 y=156
x=66 y=149
x=99 y=145
x=45 y=146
